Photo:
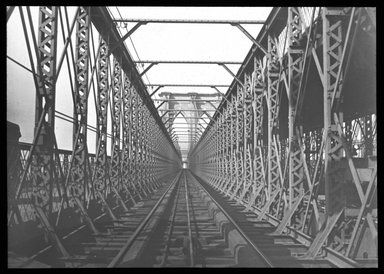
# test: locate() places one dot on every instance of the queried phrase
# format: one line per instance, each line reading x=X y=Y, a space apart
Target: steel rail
x=191 y=258
x=250 y=242
x=165 y=255
x=142 y=225
x=194 y=218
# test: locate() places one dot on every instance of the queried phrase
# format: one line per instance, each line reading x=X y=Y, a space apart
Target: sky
x=171 y=42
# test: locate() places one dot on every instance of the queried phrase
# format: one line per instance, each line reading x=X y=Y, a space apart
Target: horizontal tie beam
x=186 y=85
x=181 y=21
x=189 y=62
x=187 y=100
x=192 y=110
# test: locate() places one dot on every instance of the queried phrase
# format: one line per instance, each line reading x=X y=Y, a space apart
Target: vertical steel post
x=42 y=162
x=258 y=193
x=273 y=103
x=297 y=182
x=42 y=167
x=101 y=165
x=239 y=177
x=248 y=138
x=133 y=143
x=101 y=112
x=79 y=172
x=126 y=150
x=333 y=170
x=295 y=70
x=115 y=167
x=115 y=175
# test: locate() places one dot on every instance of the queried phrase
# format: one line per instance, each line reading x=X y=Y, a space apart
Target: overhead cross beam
x=183 y=123
x=180 y=127
x=187 y=94
x=182 y=21
x=189 y=62
x=197 y=117
x=192 y=110
x=186 y=85
x=190 y=117
x=187 y=100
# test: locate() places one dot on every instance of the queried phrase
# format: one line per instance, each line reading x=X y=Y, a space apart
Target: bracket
x=156 y=90
x=160 y=106
x=129 y=33
x=148 y=68
x=243 y=30
x=233 y=75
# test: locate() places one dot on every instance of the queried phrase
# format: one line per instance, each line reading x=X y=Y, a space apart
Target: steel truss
x=300 y=182
x=320 y=183
x=52 y=183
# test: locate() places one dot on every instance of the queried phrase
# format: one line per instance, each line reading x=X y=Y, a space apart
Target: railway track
x=191 y=233
x=186 y=223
